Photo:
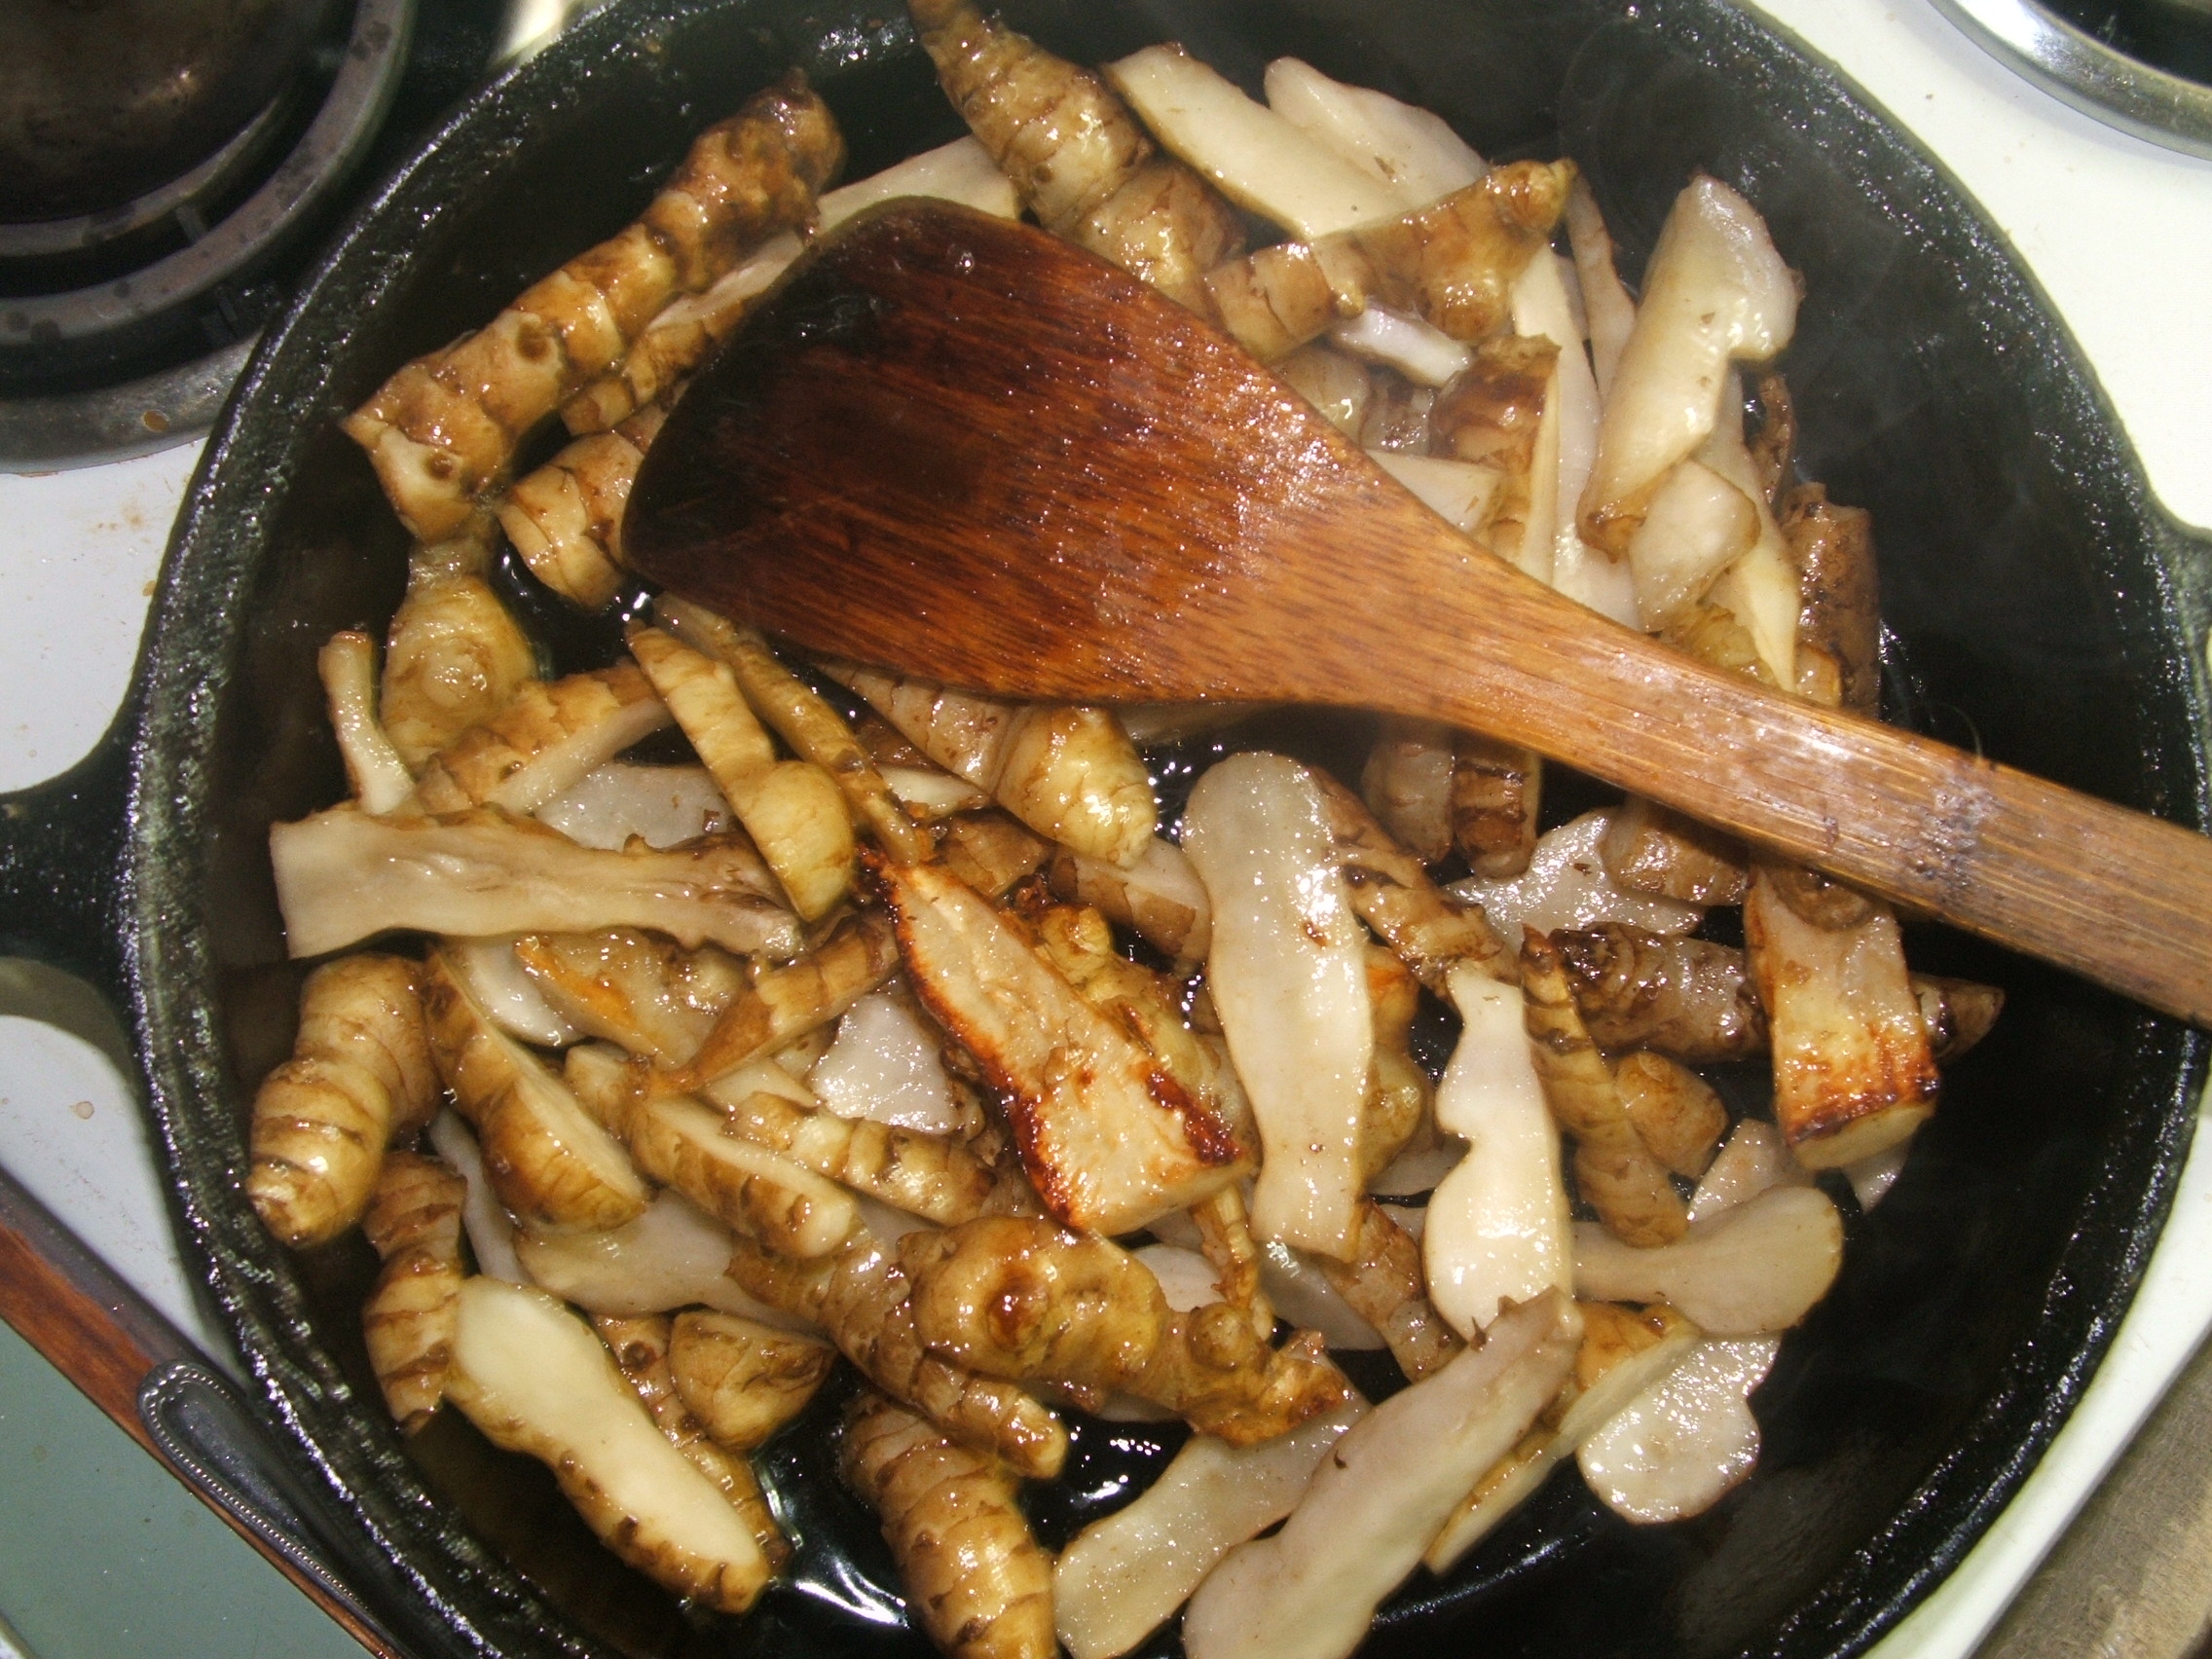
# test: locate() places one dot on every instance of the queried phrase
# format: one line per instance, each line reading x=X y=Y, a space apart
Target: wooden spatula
x=960 y=448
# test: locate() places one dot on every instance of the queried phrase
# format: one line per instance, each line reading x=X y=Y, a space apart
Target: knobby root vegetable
x=534 y=1378
x=408 y=1320
x=860 y=1298
x=543 y=744
x=1647 y=848
x=743 y=1380
x=1677 y=1114
x=1383 y=1284
x=788 y=1002
x=933 y=1176
x=974 y=1575
x=454 y=655
x=633 y=988
x=1158 y=898
x=566 y=518
x=1565 y=886
x=1429 y=929
x=359 y=1077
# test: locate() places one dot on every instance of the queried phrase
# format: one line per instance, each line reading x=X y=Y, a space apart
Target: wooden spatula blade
x=968 y=449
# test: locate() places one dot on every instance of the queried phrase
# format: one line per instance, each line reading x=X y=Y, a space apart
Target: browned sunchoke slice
x=1649 y=849
x=974 y=1576
x=1453 y=263
x=633 y=987
x=360 y=1075
x=1495 y=791
x=1108 y=1138
x=343 y=876
x=1019 y=1298
x=1399 y=1095
x=1429 y=929
x=1676 y=1112
x=454 y=655
x=641 y=1347
x=788 y=1002
x=1958 y=1013
x=1121 y=1579
x=1380 y=1496
x=1757 y=1266
x=1158 y=898
x=992 y=851
x=1071 y=774
x=1224 y=1240
x=1774 y=446
x=860 y=1298
x=933 y=1176
x=803 y=718
x=1688 y=998
x=1385 y=1286
x=1614 y=1168
x=743 y=1380
x=542 y=744
x=445 y=428
x=1624 y=1351
x=377 y=776
x=549 y=1161
x=792 y=809
x=1078 y=159
x=1852 y=1071
x=534 y=1378
x=566 y=518
x=408 y=1320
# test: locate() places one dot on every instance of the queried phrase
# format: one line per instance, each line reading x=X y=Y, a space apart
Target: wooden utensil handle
x=2114 y=894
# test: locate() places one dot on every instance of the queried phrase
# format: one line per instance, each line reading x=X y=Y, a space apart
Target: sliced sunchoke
x=1430 y=931
x=534 y=1379
x=662 y=807
x=743 y=1380
x=860 y=1298
x=1160 y=898
x=343 y=876
x=1758 y=1267
x=1679 y=1447
x=360 y=1076
x=1121 y=1578
x=549 y=1161
x=1022 y=1299
x=1605 y=302
x=543 y=744
x=491 y=1230
x=1380 y=1496
x=1498 y=1230
x=992 y=851
x=374 y=771
x=1383 y=1284
x=566 y=518
x=1685 y=997
x=1406 y=784
x=454 y=655
x=930 y=1175
x=633 y=988
x=640 y=1348
x=887 y=1064
x=1108 y=1138
x=409 y=1317
x=1677 y=1114
x=802 y=996
x=1647 y=848
x=974 y=1575
x=445 y=428
x=1833 y=550
x=1753 y=1159
x=672 y=1256
x=1495 y=788
x=1565 y=886
x=1412 y=150
x=1288 y=978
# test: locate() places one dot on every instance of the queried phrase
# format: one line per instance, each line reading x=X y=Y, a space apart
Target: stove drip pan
x=2144 y=66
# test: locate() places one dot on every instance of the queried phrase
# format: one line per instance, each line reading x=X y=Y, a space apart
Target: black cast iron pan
x=2041 y=604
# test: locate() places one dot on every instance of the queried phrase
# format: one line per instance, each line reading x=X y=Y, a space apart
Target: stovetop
x=2118 y=233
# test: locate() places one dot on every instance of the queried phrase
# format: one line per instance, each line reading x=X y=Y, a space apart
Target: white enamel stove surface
x=2118 y=233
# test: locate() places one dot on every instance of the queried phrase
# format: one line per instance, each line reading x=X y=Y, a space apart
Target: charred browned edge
x=93 y=1336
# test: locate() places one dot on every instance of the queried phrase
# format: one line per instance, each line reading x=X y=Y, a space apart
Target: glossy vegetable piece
x=880 y=465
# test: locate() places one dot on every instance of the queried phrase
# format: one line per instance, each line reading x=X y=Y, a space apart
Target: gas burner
x=2144 y=66
x=123 y=328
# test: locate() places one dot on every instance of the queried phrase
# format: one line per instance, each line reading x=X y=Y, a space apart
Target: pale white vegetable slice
x=534 y=1379
x=1335 y=385
x=1609 y=313
x=1412 y=150
x=1251 y=155
x=1758 y=1267
x=1565 y=886
x=886 y=1065
x=764 y=1076
x=1696 y=526
x=1754 y=1158
x=1872 y=1176
x=1615 y=1389
x=1714 y=292
x=1288 y=975
x=1422 y=352
x=1686 y=1440
x=1304 y=1296
x=491 y=1230
x=1498 y=1225
x=661 y=805
x=380 y=778
x=1377 y=1500
x=1121 y=1578
x=1462 y=491
x=1186 y=1278
x=343 y=876
x=930 y=794
x=1419 y=1168
x=672 y=1256
x=489 y=973
x=1762 y=587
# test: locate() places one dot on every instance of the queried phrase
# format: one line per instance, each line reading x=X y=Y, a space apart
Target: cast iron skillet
x=2041 y=604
